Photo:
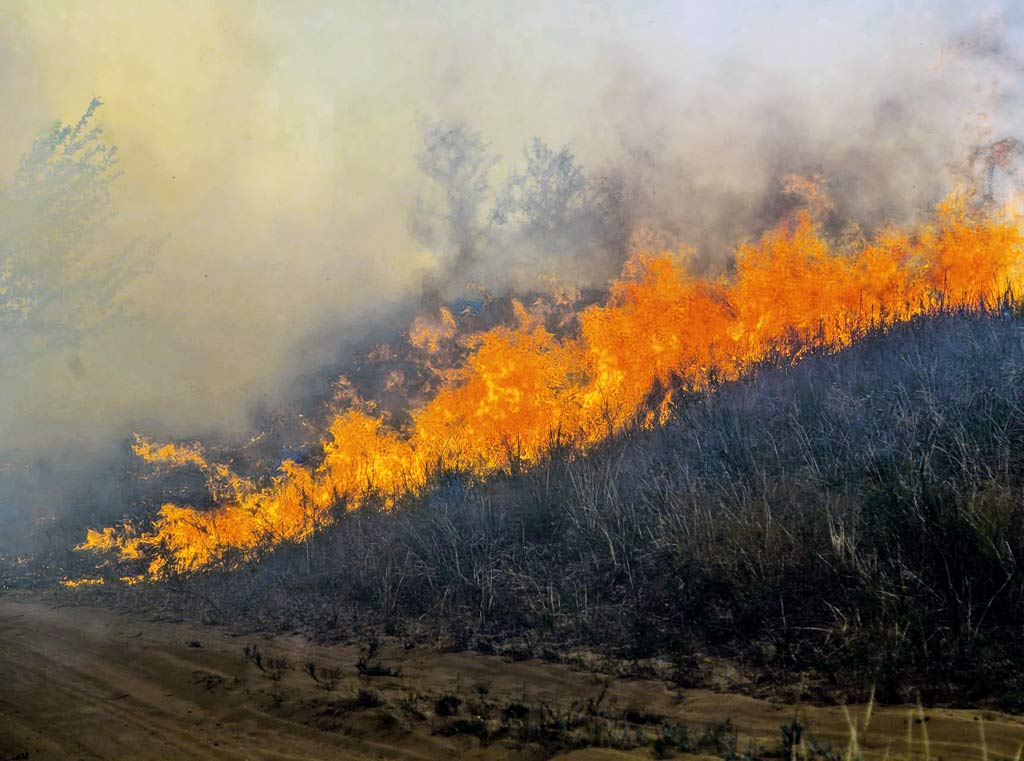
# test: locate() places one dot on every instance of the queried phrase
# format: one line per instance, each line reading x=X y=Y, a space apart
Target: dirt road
x=86 y=683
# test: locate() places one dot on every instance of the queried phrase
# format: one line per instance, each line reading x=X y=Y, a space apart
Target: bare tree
x=549 y=214
x=553 y=207
x=459 y=163
x=60 y=273
x=547 y=195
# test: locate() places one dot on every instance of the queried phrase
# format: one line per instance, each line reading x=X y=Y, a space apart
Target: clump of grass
x=447 y=705
x=673 y=737
x=368 y=699
x=368 y=665
x=253 y=655
x=473 y=726
x=310 y=668
x=515 y=711
x=276 y=668
x=641 y=716
x=410 y=703
x=721 y=738
x=360 y=701
x=792 y=739
x=325 y=678
x=373 y=668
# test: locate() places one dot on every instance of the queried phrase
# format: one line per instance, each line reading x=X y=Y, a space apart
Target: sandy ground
x=86 y=683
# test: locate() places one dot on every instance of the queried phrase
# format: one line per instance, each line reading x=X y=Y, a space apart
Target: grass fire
x=463 y=381
x=523 y=391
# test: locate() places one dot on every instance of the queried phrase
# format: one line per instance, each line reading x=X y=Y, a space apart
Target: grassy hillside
x=856 y=517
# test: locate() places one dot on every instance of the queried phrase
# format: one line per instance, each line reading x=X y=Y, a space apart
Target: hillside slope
x=855 y=519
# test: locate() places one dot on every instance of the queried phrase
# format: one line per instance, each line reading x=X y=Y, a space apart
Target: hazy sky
x=272 y=144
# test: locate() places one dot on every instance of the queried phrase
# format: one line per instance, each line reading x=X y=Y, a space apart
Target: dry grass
x=855 y=517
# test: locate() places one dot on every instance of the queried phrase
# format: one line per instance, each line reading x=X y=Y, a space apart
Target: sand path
x=88 y=683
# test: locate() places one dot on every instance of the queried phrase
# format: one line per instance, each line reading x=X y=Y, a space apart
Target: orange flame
x=428 y=333
x=523 y=388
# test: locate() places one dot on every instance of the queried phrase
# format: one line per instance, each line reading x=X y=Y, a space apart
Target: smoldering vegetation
x=848 y=521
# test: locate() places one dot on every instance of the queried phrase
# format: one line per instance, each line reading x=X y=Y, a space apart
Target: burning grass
x=813 y=467
x=524 y=391
x=850 y=520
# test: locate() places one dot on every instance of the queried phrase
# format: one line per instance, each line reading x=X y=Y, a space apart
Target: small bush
x=373 y=668
x=276 y=668
x=368 y=699
x=254 y=656
x=447 y=705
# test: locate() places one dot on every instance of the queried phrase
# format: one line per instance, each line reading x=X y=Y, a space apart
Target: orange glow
x=428 y=333
x=77 y=583
x=524 y=388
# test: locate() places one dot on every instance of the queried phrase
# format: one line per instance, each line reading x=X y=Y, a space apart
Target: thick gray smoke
x=289 y=178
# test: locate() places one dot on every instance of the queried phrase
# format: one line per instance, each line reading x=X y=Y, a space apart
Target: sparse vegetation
x=325 y=678
x=276 y=668
x=479 y=712
x=555 y=727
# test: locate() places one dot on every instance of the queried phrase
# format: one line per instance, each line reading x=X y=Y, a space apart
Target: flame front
x=523 y=388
